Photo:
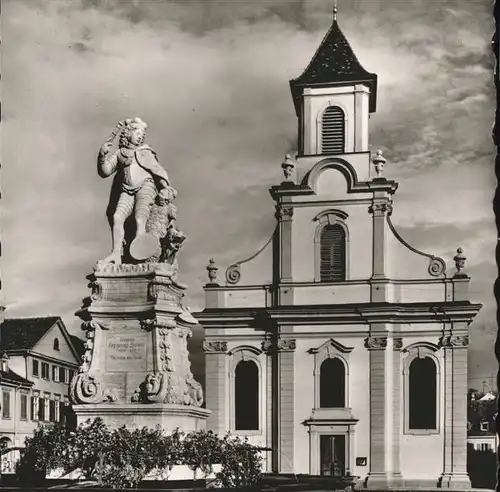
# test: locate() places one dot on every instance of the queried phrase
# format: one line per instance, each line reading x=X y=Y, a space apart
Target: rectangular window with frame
x=55 y=374
x=45 y=370
x=62 y=375
x=41 y=410
x=52 y=411
x=71 y=374
x=24 y=406
x=6 y=396
x=36 y=368
x=35 y=403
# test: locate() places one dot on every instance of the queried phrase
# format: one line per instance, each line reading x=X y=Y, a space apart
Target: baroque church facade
x=350 y=356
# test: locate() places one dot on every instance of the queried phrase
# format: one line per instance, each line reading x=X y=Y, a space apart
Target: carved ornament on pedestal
x=87 y=385
x=376 y=343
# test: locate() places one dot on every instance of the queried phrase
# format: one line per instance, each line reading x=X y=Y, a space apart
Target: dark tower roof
x=334 y=64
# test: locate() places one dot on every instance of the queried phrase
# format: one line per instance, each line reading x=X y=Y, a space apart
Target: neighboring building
x=349 y=354
x=39 y=357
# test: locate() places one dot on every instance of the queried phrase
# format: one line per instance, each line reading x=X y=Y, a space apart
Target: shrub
x=122 y=458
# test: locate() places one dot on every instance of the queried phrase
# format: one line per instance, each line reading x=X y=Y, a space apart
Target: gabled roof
x=24 y=333
x=78 y=344
x=9 y=376
x=334 y=63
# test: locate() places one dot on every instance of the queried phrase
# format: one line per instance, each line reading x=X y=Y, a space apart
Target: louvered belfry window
x=332 y=253
x=333 y=131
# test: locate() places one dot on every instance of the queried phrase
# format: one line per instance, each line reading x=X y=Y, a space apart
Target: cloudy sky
x=211 y=79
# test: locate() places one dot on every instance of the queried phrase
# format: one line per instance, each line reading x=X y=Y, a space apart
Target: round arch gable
x=330 y=352
x=348 y=171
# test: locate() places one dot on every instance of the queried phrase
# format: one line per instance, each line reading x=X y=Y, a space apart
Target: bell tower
x=333 y=99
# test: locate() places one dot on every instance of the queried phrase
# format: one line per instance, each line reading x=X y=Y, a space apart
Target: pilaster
x=281 y=352
x=379 y=210
x=377 y=476
x=216 y=384
x=394 y=414
x=455 y=345
x=284 y=214
x=285 y=352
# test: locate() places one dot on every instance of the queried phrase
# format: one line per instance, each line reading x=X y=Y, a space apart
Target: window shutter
x=332 y=254
x=333 y=131
x=24 y=406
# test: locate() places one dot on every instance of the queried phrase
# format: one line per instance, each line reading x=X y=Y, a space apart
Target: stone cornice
x=346 y=314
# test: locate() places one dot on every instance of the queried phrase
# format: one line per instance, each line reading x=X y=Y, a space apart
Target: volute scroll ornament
x=437 y=267
x=233 y=274
x=87 y=388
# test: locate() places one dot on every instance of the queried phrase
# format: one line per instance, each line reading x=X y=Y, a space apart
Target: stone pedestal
x=136 y=369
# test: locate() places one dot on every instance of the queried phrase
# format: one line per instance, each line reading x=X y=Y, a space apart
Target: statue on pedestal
x=141 y=189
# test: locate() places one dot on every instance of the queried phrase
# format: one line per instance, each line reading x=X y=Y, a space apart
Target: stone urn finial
x=459 y=260
x=212 y=269
x=288 y=166
x=379 y=163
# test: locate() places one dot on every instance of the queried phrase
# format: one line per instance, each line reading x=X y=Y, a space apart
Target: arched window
x=332 y=384
x=246 y=395
x=332 y=253
x=333 y=131
x=56 y=344
x=422 y=397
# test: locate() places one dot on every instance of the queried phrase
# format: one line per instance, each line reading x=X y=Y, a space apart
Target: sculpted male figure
x=140 y=177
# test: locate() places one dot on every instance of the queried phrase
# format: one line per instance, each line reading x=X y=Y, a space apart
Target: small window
x=332 y=253
x=71 y=375
x=41 y=409
x=55 y=374
x=485 y=426
x=24 y=406
x=333 y=131
x=36 y=369
x=6 y=404
x=422 y=394
x=56 y=344
x=246 y=389
x=45 y=370
x=62 y=375
x=332 y=384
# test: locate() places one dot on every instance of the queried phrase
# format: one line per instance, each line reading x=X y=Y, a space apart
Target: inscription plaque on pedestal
x=125 y=353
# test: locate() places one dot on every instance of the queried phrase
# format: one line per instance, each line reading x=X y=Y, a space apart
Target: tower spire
x=335 y=10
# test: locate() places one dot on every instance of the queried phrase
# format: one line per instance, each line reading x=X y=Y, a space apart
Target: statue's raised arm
x=140 y=183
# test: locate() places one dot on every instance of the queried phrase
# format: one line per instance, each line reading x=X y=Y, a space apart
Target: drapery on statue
x=140 y=183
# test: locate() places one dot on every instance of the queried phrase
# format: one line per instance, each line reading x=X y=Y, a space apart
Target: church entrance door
x=332 y=455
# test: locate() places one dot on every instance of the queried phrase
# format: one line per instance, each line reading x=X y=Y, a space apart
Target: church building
x=349 y=355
